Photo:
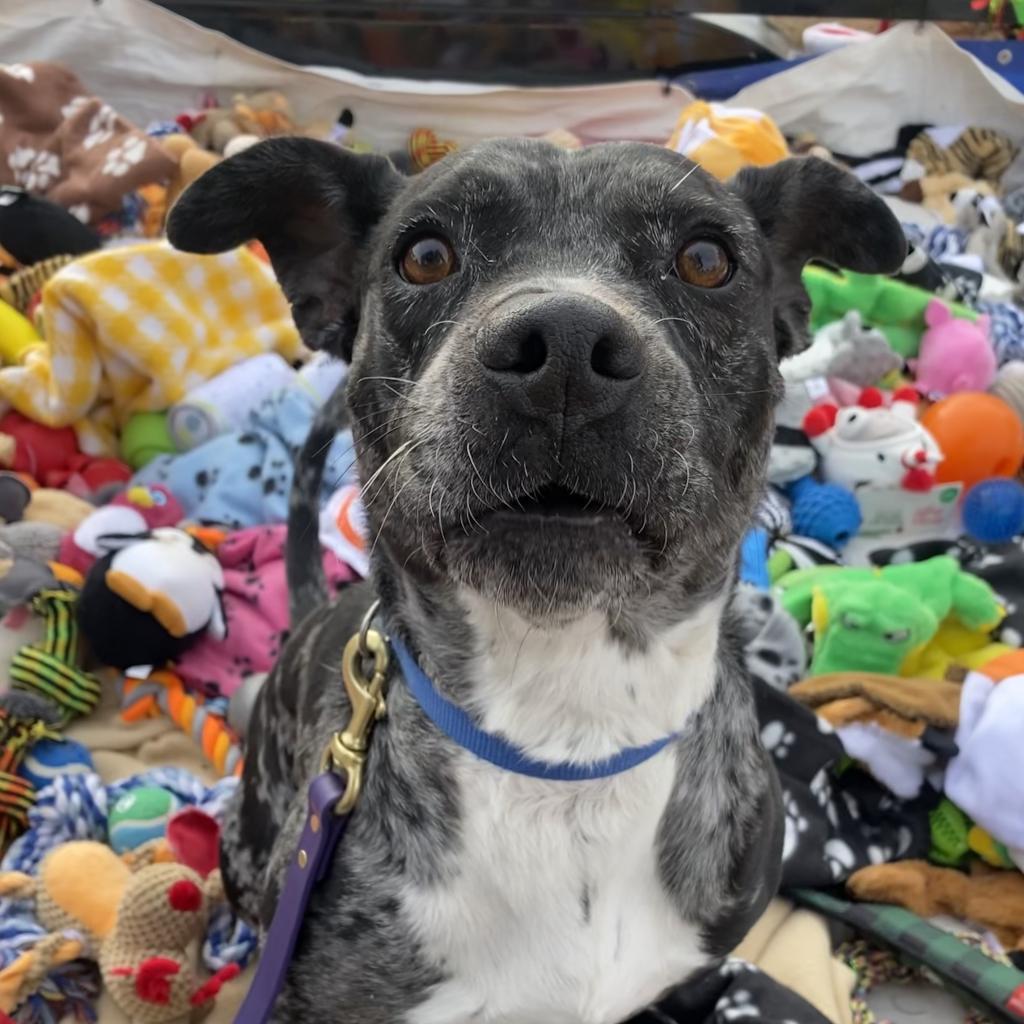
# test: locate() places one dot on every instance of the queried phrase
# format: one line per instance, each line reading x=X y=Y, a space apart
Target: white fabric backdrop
x=855 y=99
x=150 y=63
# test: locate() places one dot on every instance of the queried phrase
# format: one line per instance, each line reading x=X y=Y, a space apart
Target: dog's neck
x=571 y=691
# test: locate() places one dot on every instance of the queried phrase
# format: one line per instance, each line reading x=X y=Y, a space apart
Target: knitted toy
x=871 y=445
x=955 y=355
x=872 y=620
x=150 y=597
x=987 y=896
x=163 y=692
x=138 y=924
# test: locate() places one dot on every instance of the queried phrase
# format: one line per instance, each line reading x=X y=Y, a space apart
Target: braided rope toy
x=49 y=668
x=164 y=692
x=77 y=807
x=874 y=966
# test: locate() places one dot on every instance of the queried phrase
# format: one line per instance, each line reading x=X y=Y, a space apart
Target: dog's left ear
x=313 y=206
x=811 y=209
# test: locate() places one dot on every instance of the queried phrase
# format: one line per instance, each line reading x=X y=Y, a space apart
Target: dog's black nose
x=568 y=354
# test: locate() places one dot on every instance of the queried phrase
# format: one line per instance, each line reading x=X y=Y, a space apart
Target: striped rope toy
x=49 y=669
x=164 y=692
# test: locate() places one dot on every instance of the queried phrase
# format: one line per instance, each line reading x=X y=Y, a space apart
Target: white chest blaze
x=555 y=911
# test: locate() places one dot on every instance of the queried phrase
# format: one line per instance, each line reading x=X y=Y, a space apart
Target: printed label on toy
x=895 y=510
x=817 y=389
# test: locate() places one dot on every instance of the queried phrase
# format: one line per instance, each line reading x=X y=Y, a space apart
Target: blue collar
x=459 y=727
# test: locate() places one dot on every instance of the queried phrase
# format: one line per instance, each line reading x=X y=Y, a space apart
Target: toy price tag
x=817 y=389
x=895 y=510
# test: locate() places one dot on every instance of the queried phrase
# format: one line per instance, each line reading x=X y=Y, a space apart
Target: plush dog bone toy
x=955 y=354
x=139 y=925
x=870 y=445
x=150 y=596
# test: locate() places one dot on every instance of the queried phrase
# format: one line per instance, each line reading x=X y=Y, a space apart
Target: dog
x=563 y=368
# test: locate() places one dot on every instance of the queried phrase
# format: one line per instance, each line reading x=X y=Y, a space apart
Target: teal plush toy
x=895 y=308
x=868 y=620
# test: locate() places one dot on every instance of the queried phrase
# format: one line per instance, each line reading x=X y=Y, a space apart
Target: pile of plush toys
x=119 y=884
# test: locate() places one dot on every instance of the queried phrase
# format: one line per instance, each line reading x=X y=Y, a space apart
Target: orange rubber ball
x=980 y=437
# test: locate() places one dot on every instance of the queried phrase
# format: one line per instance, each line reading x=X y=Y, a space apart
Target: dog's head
x=564 y=364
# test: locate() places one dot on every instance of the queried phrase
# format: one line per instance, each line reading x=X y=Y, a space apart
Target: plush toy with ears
x=150 y=596
x=139 y=924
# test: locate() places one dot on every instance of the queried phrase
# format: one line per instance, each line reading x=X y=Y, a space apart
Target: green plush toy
x=895 y=308
x=871 y=620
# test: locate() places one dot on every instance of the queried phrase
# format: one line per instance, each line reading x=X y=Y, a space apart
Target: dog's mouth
x=556 y=502
x=556 y=507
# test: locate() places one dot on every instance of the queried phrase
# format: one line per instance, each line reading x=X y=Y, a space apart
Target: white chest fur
x=555 y=912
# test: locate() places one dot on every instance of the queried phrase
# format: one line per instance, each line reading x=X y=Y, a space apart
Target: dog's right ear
x=313 y=206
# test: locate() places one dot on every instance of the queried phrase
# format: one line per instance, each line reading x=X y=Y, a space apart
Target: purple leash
x=332 y=796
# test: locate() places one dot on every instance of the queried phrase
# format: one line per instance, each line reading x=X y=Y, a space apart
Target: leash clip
x=346 y=751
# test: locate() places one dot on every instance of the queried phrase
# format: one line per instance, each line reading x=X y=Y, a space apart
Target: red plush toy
x=38 y=450
x=136 y=510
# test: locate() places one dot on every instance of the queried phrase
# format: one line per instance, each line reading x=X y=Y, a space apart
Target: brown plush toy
x=140 y=925
x=192 y=160
x=986 y=896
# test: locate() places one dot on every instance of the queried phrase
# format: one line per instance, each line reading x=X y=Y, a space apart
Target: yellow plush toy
x=723 y=140
x=17 y=335
x=139 y=924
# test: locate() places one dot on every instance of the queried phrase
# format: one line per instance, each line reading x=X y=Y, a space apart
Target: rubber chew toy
x=979 y=434
x=164 y=692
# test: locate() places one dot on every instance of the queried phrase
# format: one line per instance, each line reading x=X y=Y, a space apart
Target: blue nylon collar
x=459 y=727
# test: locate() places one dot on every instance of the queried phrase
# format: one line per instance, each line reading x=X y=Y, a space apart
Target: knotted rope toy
x=50 y=668
x=77 y=807
x=163 y=691
x=23 y=722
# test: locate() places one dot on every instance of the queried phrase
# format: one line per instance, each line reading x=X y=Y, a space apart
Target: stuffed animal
x=900 y=729
x=987 y=896
x=138 y=924
x=150 y=597
x=35 y=449
x=192 y=160
x=133 y=511
x=894 y=308
x=955 y=354
x=871 y=445
x=846 y=348
x=874 y=620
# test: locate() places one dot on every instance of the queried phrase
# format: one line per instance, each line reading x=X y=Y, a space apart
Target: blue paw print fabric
x=244 y=478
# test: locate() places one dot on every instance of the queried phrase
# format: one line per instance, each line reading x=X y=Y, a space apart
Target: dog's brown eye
x=704 y=264
x=427 y=261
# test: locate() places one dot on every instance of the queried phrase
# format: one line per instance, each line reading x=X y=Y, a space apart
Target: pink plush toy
x=136 y=510
x=955 y=354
